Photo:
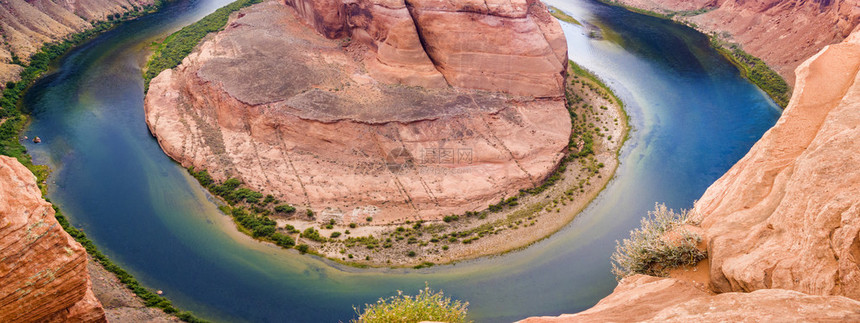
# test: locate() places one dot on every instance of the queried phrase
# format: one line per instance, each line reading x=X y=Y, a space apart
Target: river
x=692 y=115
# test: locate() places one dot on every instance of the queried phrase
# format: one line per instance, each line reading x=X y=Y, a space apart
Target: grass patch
x=426 y=306
x=658 y=245
x=250 y=211
x=754 y=69
x=560 y=15
x=179 y=44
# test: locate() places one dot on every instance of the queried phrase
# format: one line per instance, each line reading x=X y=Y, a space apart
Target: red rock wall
x=787 y=215
x=510 y=46
x=43 y=271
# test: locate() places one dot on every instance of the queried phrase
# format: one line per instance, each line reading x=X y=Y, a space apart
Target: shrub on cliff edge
x=426 y=306
x=652 y=249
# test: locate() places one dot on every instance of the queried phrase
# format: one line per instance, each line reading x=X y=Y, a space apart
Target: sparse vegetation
x=426 y=306
x=754 y=69
x=411 y=239
x=659 y=244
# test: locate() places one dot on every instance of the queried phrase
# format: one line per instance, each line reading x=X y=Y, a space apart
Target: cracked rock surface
x=384 y=121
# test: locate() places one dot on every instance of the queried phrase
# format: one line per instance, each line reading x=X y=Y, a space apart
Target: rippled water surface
x=692 y=114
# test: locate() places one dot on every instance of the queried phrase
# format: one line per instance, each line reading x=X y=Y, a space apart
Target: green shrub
x=303 y=248
x=335 y=234
x=312 y=234
x=283 y=240
x=426 y=306
x=285 y=208
x=648 y=250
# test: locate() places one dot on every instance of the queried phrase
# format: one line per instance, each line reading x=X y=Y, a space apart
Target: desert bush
x=649 y=251
x=312 y=234
x=426 y=306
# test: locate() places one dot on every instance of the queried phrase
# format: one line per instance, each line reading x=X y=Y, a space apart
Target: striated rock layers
x=783 y=33
x=26 y=25
x=392 y=109
x=643 y=298
x=787 y=215
x=43 y=271
x=782 y=226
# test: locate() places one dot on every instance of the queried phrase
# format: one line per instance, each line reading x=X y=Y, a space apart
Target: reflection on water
x=693 y=117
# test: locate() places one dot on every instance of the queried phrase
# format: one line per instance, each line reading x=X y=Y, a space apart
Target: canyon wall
x=510 y=46
x=783 y=33
x=43 y=271
x=396 y=110
x=782 y=226
x=26 y=25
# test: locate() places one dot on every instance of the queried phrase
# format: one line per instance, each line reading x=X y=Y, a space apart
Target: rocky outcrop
x=782 y=226
x=511 y=46
x=43 y=271
x=787 y=215
x=783 y=33
x=26 y=25
x=643 y=298
x=340 y=125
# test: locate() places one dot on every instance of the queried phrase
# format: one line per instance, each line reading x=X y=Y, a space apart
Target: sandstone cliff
x=417 y=110
x=783 y=33
x=643 y=298
x=26 y=25
x=782 y=226
x=43 y=271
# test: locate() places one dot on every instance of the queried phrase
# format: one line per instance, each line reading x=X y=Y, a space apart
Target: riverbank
x=15 y=119
x=600 y=127
x=752 y=68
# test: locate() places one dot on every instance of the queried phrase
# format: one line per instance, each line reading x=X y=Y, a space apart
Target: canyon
x=395 y=110
x=783 y=33
x=781 y=227
x=26 y=25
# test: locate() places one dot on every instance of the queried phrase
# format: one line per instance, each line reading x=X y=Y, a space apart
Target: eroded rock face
x=296 y=114
x=26 y=25
x=782 y=226
x=783 y=33
x=788 y=214
x=511 y=46
x=643 y=298
x=43 y=271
